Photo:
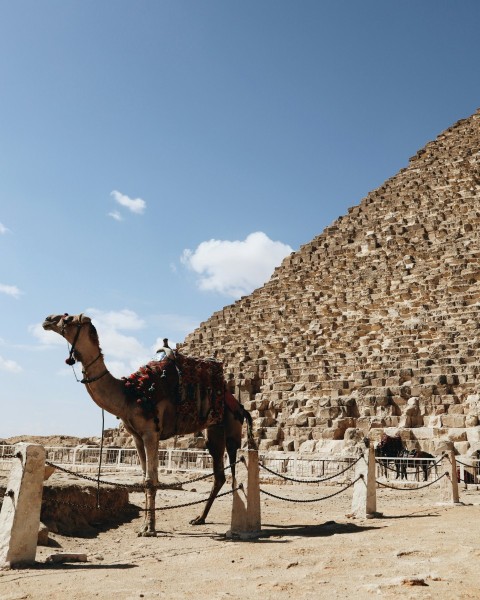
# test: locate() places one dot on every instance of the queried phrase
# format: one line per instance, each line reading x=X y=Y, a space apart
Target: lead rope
x=100 y=461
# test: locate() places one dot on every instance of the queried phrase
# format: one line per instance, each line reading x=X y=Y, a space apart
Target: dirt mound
x=73 y=509
x=50 y=440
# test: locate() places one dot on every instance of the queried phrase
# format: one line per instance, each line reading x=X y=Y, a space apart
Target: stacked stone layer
x=376 y=322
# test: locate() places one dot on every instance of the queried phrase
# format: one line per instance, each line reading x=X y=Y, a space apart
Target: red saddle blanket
x=198 y=389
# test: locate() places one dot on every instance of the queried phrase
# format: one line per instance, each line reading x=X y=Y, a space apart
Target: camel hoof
x=197 y=521
x=147 y=534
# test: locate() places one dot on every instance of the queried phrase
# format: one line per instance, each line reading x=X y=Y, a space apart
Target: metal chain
x=311 y=480
x=459 y=462
x=419 y=487
x=130 y=486
x=136 y=486
x=312 y=499
x=240 y=487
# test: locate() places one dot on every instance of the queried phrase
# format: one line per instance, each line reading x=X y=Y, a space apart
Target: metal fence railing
x=408 y=469
x=183 y=460
x=291 y=464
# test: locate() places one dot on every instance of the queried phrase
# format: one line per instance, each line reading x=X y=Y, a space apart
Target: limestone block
x=265 y=444
x=473 y=434
x=353 y=435
x=441 y=445
x=453 y=420
x=392 y=421
x=456 y=409
x=471 y=420
x=308 y=446
x=329 y=446
x=273 y=433
x=42 y=535
x=423 y=433
x=461 y=447
x=456 y=434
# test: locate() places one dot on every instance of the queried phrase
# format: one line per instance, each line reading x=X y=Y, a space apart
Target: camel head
x=79 y=332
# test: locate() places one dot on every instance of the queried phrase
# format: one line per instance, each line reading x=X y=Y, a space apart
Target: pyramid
x=375 y=324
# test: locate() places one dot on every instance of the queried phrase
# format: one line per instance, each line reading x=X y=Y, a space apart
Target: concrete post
x=246 y=520
x=449 y=488
x=364 y=500
x=254 y=519
x=20 y=515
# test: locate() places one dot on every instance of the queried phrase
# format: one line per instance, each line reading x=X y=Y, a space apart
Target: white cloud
x=3 y=229
x=116 y=319
x=136 y=205
x=115 y=215
x=10 y=290
x=9 y=365
x=124 y=353
x=46 y=338
x=235 y=268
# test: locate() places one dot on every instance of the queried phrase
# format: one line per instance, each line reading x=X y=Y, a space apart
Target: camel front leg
x=151 y=482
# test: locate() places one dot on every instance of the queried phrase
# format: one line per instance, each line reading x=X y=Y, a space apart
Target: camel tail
x=252 y=445
x=241 y=414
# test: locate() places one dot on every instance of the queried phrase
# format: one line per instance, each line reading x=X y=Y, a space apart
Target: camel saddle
x=196 y=385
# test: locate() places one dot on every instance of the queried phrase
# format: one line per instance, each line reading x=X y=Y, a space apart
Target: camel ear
x=82 y=319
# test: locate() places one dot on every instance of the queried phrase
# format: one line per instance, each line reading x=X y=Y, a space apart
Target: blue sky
x=159 y=158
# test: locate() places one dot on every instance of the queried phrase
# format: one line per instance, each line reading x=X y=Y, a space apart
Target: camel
x=392 y=447
x=156 y=415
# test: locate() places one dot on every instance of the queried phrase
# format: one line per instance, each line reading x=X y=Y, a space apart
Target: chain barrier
x=129 y=486
x=459 y=462
x=135 y=486
x=312 y=499
x=240 y=487
x=311 y=480
x=408 y=489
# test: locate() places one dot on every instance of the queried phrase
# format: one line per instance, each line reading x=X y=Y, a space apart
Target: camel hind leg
x=216 y=447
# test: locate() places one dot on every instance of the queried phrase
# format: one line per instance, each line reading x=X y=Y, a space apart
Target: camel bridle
x=71 y=360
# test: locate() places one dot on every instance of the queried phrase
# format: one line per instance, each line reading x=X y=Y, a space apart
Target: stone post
x=254 y=519
x=246 y=519
x=449 y=488
x=364 y=501
x=20 y=515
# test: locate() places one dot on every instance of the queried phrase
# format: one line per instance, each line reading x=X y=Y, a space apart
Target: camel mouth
x=51 y=322
x=58 y=322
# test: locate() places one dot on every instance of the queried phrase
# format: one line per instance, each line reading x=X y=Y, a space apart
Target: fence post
x=254 y=519
x=20 y=514
x=462 y=475
x=450 y=487
x=364 y=501
x=246 y=518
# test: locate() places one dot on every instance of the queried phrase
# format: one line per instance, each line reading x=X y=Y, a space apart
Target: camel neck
x=105 y=390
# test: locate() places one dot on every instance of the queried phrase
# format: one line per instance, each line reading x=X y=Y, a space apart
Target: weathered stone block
x=453 y=420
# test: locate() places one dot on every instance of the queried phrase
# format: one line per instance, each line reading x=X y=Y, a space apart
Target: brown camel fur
x=148 y=428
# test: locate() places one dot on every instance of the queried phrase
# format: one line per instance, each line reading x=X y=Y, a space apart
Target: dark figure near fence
x=390 y=447
x=424 y=463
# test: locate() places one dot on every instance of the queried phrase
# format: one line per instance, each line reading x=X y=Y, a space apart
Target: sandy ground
x=420 y=548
